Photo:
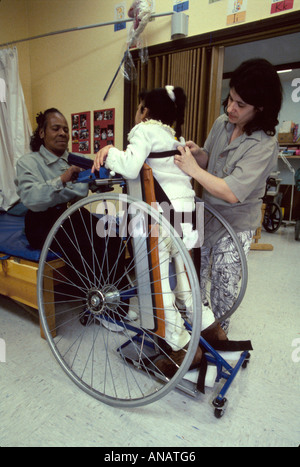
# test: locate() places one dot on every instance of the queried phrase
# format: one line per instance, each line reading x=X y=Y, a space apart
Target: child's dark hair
x=162 y=108
x=41 y=119
x=257 y=83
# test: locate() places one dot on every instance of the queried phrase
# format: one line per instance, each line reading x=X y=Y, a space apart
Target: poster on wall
x=120 y=15
x=180 y=5
x=236 y=12
x=81 y=132
x=104 y=128
x=278 y=6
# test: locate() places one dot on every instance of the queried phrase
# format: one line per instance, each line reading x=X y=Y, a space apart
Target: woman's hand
x=186 y=161
x=194 y=148
x=101 y=157
x=70 y=175
x=214 y=185
x=198 y=153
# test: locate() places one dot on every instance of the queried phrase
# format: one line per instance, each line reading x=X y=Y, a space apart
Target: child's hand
x=101 y=157
x=186 y=161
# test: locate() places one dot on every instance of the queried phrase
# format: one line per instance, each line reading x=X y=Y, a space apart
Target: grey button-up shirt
x=245 y=165
x=39 y=184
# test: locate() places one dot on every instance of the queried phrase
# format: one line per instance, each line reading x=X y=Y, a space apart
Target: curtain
x=15 y=128
x=198 y=71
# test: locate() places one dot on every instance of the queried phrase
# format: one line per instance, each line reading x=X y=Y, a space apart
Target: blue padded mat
x=13 y=241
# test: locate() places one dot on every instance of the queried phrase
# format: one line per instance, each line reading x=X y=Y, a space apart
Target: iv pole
x=292 y=170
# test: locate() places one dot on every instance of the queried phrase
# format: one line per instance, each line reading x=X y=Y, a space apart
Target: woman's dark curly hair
x=257 y=83
x=162 y=108
x=41 y=119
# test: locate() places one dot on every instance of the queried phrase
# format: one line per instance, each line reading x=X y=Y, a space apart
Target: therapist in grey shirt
x=232 y=167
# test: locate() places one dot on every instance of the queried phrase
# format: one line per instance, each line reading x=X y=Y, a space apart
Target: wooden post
x=257 y=236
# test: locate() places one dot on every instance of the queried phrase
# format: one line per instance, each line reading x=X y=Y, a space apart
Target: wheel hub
x=98 y=300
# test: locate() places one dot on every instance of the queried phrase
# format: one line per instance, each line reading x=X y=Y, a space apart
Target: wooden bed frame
x=18 y=281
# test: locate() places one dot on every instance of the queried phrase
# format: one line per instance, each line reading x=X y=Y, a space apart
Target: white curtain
x=15 y=128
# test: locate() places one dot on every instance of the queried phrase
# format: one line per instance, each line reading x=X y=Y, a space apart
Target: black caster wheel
x=220 y=407
x=273 y=217
x=84 y=318
x=246 y=361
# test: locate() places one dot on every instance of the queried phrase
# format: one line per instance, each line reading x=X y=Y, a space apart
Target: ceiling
x=278 y=50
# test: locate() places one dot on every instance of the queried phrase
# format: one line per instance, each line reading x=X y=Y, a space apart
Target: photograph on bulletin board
x=104 y=128
x=81 y=132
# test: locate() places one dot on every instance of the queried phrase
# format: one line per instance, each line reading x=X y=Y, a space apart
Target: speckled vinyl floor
x=40 y=406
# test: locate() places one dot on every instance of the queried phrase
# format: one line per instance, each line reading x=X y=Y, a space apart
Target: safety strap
x=163 y=154
x=80 y=161
x=229 y=346
x=202 y=374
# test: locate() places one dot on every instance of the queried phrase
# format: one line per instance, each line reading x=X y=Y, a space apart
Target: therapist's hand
x=195 y=149
x=100 y=157
x=186 y=161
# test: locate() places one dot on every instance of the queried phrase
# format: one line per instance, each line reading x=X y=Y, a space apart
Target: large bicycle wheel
x=111 y=245
x=215 y=222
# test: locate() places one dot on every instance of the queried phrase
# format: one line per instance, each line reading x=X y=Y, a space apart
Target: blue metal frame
x=224 y=369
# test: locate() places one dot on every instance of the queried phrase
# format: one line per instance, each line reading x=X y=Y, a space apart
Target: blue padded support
x=13 y=241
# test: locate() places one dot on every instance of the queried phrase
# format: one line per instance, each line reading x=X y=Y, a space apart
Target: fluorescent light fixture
x=284 y=71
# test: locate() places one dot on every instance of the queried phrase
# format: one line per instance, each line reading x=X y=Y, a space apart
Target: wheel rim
x=115 y=367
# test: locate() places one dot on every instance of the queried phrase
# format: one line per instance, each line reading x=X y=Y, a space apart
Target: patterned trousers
x=221 y=266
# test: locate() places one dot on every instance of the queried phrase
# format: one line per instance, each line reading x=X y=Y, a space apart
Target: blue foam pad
x=13 y=241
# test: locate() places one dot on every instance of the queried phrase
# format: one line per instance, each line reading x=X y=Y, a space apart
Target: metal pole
x=79 y=28
x=292 y=170
x=116 y=74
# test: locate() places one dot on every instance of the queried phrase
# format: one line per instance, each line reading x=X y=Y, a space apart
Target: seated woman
x=45 y=186
x=44 y=177
x=157 y=112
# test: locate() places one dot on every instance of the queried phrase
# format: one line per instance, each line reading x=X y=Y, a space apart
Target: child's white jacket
x=153 y=136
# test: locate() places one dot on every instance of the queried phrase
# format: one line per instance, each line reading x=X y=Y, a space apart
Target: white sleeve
x=129 y=162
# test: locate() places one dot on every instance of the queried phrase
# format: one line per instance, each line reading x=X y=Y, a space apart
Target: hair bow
x=170 y=91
